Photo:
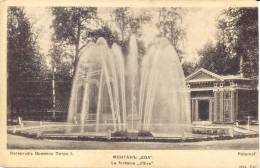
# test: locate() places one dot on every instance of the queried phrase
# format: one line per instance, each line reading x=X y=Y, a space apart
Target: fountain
x=128 y=98
x=119 y=94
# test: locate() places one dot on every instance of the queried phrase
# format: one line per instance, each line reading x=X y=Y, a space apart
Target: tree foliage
x=170 y=26
x=128 y=23
x=106 y=33
x=240 y=32
x=236 y=50
x=188 y=68
x=216 y=58
x=72 y=25
x=24 y=62
x=61 y=61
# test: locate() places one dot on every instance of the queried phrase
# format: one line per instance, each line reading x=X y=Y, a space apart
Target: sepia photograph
x=132 y=78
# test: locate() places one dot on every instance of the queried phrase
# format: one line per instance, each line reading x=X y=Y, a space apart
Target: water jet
x=112 y=91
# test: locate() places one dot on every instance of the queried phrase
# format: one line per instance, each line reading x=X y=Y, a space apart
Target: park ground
x=19 y=142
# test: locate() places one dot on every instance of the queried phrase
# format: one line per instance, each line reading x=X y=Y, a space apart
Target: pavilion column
x=235 y=112
x=221 y=105
x=192 y=110
x=233 y=105
x=216 y=102
x=196 y=110
x=210 y=110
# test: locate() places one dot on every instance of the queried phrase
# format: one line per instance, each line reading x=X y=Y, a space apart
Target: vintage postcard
x=143 y=84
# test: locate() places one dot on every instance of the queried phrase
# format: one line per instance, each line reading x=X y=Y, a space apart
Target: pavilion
x=222 y=99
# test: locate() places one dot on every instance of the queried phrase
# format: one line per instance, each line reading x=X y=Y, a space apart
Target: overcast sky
x=199 y=23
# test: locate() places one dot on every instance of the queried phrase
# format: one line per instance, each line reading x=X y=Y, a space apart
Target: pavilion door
x=203 y=111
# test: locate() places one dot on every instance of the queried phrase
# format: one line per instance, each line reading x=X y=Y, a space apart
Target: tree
x=189 y=68
x=72 y=25
x=129 y=23
x=239 y=33
x=24 y=62
x=215 y=58
x=106 y=33
x=61 y=61
x=170 y=26
x=236 y=49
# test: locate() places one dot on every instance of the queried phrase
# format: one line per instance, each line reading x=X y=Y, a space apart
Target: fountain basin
x=57 y=132
x=131 y=134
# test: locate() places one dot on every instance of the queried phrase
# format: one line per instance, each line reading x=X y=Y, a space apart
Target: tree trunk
x=77 y=45
x=76 y=58
x=241 y=62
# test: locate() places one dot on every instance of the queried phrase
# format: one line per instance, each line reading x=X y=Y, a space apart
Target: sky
x=199 y=24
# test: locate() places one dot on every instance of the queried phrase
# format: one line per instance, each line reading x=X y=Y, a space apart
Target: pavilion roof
x=203 y=75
